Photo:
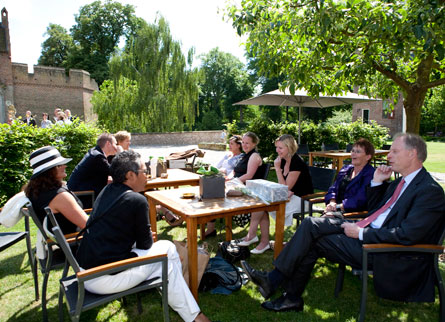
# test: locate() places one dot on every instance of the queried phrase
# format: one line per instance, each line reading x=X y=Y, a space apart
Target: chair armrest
x=424 y=248
x=119 y=266
x=84 y=193
x=316 y=200
x=313 y=195
x=70 y=238
x=355 y=214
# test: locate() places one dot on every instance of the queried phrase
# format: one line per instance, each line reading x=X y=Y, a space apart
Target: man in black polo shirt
x=119 y=229
x=93 y=170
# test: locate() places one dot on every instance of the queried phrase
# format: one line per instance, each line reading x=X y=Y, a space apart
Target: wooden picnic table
x=176 y=178
x=339 y=156
x=196 y=212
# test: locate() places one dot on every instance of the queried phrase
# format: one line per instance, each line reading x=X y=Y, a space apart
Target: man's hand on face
x=382 y=173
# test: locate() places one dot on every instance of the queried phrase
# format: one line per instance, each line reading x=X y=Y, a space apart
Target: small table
x=339 y=156
x=176 y=178
x=200 y=212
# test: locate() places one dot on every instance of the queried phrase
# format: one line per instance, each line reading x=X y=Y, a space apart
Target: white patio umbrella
x=302 y=99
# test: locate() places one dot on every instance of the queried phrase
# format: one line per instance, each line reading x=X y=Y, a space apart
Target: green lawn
x=17 y=290
x=17 y=294
x=436 y=154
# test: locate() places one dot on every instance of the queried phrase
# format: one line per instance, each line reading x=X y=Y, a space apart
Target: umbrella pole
x=299 y=124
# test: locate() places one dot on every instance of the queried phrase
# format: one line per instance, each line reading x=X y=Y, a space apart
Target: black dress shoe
x=283 y=304
x=260 y=279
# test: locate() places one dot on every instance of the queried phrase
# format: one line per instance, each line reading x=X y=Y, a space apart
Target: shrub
x=18 y=140
x=312 y=134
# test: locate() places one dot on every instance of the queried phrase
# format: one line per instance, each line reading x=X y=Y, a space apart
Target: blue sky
x=193 y=22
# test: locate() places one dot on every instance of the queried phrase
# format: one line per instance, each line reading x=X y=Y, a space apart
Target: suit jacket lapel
x=406 y=195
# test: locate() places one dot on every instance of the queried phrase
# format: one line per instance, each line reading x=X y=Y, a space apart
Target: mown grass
x=17 y=294
x=17 y=300
x=436 y=154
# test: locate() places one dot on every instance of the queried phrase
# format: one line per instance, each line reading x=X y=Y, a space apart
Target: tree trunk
x=413 y=106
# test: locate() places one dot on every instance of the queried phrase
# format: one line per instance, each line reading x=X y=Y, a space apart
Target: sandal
x=172 y=219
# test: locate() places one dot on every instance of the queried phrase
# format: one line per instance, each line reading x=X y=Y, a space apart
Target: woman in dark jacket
x=348 y=193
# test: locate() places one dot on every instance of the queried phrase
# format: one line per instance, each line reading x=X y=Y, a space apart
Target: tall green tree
x=94 y=37
x=330 y=46
x=99 y=28
x=433 y=113
x=224 y=81
x=153 y=87
x=56 y=47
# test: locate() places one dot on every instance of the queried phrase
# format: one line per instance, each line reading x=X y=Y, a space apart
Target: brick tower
x=6 y=79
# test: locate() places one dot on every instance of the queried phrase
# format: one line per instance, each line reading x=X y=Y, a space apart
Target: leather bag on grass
x=203 y=259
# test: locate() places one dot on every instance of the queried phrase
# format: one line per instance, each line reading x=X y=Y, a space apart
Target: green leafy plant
x=18 y=140
x=314 y=135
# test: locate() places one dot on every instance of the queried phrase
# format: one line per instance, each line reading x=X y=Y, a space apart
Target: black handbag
x=232 y=252
x=220 y=272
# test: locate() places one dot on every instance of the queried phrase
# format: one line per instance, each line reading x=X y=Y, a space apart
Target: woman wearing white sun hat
x=46 y=188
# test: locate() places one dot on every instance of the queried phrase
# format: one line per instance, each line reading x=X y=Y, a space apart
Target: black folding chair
x=53 y=259
x=322 y=179
x=7 y=239
x=368 y=249
x=73 y=287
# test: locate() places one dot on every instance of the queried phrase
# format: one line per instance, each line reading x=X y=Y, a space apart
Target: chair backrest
x=386 y=146
x=303 y=149
x=329 y=146
x=349 y=147
x=322 y=178
x=58 y=237
x=262 y=172
x=31 y=212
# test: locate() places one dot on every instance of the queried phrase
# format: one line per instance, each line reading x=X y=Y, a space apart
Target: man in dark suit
x=92 y=172
x=406 y=212
x=29 y=120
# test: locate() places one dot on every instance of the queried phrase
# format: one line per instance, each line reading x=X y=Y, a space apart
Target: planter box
x=212 y=187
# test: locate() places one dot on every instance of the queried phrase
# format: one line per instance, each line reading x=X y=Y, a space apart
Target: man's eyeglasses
x=146 y=171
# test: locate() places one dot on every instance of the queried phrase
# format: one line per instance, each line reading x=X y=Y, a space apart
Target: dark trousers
x=315 y=238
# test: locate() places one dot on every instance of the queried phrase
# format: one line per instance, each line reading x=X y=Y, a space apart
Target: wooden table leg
x=192 y=247
x=152 y=213
x=340 y=164
x=279 y=229
x=228 y=221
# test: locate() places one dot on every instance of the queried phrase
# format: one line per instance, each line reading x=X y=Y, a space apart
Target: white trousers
x=292 y=206
x=179 y=296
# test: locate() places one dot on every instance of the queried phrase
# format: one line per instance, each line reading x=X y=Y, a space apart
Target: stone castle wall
x=50 y=87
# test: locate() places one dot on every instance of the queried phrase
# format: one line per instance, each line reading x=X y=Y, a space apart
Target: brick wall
x=376 y=114
x=50 y=87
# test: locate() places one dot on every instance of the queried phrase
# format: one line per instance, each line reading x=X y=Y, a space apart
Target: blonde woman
x=291 y=171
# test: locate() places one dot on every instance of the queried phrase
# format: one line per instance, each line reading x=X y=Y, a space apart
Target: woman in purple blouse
x=348 y=193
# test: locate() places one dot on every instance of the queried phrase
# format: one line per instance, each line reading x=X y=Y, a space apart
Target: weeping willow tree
x=153 y=87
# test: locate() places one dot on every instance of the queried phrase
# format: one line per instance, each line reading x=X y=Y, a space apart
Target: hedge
x=314 y=135
x=18 y=140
